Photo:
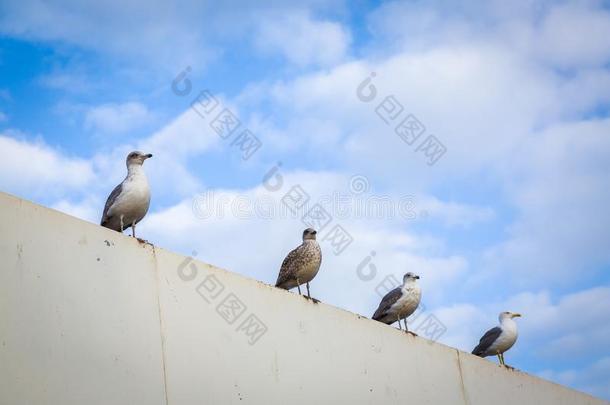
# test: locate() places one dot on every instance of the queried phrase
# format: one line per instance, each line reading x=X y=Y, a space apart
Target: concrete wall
x=89 y=316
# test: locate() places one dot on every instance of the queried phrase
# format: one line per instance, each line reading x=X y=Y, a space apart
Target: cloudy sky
x=467 y=143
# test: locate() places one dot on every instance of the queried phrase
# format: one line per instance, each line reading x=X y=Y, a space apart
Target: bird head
x=508 y=315
x=410 y=277
x=137 y=158
x=309 y=234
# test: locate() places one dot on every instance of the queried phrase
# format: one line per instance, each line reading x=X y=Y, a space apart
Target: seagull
x=499 y=339
x=129 y=201
x=400 y=303
x=302 y=264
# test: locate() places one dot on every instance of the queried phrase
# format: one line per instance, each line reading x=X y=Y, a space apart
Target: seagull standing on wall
x=129 y=201
x=499 y=339
x=302 y=264
x=400 y=303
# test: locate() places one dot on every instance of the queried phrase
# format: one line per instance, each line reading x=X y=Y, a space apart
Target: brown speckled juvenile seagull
x=302 y=264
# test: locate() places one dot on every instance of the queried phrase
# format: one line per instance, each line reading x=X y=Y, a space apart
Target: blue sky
x=513 y=216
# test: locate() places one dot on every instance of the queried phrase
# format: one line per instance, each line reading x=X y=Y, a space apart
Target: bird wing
x=386 y=303
x=111 y=199
x=289 y=266
x=487 y=340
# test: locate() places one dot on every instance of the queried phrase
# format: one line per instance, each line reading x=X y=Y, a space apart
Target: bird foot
x=509 y=367
x=411 y=333
x=144 y=241
x=315 y=301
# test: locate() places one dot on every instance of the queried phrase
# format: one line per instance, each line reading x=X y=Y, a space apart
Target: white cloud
x=574 y=35
x=563 y=34
x=117 y=118
x=503 y=116
x=555 y=331
x=79 y=187
x=33 y=167
x=397 y=250
x=71 y=79
x=559 y=231
x=504 y=87
x=88 y=209
x=577 y=323
x=592 y=378
x=459 y=94
x=166 y=37
x=173 y=145
x=456 y=214
x=303 y=40
x=184 y=138
x=115 y=27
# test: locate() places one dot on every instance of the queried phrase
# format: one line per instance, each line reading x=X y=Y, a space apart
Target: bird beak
x=315 y=232
x=516 y=315
x=417 y=277
x=148 y=156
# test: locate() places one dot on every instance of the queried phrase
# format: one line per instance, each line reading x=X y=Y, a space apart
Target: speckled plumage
x=301 y=264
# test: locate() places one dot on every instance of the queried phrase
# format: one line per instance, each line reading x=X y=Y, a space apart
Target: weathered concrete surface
x=91 y=316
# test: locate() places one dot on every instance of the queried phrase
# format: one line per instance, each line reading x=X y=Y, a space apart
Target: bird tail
x=477 y=351
x=382 y=317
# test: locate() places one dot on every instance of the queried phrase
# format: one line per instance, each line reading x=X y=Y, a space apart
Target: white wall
x=89 y=316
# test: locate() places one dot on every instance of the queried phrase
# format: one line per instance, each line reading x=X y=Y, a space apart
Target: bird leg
x=309 y=296
x=399 y=325
x=133 y=233
x=122 y=226
x=299 y=287
x=407 y=328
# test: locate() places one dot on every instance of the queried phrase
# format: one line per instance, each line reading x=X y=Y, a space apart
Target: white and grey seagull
x=129 y=201
x=498 y=340
x=302 y=264
x=400 y=303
